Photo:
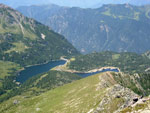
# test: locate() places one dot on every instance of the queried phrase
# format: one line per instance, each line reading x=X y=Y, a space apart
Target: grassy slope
x=6 y=68
x=80 y=96
x=46 y=81
x=61 y=98
x=19 y=47
x=39 y=84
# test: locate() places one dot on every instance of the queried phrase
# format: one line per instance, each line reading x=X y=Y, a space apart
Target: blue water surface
x=38 y=69
x=93 y=73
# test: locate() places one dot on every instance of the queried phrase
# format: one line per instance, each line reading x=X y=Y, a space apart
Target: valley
x=100 y=65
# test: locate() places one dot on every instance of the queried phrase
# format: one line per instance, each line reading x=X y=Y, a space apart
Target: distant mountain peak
x=87 y=29
x=3 y=6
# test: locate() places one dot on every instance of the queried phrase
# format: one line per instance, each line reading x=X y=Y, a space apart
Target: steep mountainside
x=112 y=27
x=100 y=93
x=23 y=39
x=24 y=42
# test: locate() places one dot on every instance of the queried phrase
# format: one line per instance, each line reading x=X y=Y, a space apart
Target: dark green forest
x=127 y=62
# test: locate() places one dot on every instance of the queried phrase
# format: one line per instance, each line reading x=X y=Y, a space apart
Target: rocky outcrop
x=15 y=102
x=117 y=95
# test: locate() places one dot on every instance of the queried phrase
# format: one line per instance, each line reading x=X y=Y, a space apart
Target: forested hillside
x=127 y=62
x=25 y=42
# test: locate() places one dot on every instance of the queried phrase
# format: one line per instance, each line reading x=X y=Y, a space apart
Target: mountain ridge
x=98 y=93
x=120 y=28
x=74 y=3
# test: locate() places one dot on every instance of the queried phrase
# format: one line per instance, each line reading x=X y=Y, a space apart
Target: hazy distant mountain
x=133 y=2
x=71 y=3
x=111 y=27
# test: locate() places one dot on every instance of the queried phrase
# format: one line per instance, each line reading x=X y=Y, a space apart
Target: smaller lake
x=31 y=71
x=93 y=73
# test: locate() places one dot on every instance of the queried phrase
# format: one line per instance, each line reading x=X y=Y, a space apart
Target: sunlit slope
x=88 y=94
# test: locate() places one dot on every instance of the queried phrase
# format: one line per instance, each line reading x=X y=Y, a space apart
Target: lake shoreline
x=91 y=71
x=28 y=66
x=65 y=68
x=59 y=65
x=33 y=70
